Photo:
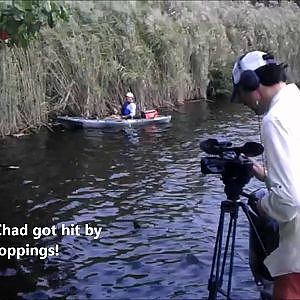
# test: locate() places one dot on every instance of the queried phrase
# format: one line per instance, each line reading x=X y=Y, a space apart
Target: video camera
x=234 y=168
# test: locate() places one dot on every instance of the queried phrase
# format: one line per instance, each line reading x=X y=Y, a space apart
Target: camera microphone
x=251 y=149
x=214 y=147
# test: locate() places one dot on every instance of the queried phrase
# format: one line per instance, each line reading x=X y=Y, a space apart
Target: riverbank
x=165 y=52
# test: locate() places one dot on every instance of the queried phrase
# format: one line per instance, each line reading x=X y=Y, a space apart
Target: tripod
x=230 y=206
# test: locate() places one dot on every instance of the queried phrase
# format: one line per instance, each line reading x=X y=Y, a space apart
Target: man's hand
x=258 y=170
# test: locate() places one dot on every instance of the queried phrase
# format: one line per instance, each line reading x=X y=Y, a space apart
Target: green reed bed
x=22 y=92
x=164 y=52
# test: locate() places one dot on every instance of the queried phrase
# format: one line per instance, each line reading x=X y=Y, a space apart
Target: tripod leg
x=232 y=253
x=226 y=250
x=213 y=282
x=245 y=210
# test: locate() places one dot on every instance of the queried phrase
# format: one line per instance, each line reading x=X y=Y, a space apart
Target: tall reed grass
x=164 y=52
x=23 y=104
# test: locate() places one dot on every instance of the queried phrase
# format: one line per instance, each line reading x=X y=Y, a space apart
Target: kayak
x=80 y=122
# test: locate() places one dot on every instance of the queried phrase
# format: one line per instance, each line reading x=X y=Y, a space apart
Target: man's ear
x=257 y=93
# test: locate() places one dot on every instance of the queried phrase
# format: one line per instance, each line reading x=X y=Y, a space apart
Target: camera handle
x=215 y=281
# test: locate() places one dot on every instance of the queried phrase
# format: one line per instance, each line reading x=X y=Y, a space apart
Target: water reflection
x=145 y=188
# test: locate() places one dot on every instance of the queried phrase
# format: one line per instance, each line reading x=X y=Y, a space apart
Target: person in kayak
x=128 y=110
x=260 y=83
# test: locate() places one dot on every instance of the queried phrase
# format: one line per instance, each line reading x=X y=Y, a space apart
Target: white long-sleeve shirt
x=281 y=138
x=132 y=109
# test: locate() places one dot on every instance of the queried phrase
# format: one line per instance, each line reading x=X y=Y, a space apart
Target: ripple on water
x=158 y=213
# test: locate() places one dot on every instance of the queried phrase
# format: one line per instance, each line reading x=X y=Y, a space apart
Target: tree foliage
x=21 y=20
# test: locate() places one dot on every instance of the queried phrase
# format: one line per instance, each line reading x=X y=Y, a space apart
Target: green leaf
x=54 y=7
x=51 y=21
x=7 y=12
x=47 y=6
x=18 y=17
x=35 y=27
x=22 y=29
x=12 y=27
x=17 y=14
x=18 y=6
x=64 y=14
x=27 y=5
x=23 y=41
x=24 y=18
x=29 y=18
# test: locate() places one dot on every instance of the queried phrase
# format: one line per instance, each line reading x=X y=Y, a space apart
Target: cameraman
x=260 y=83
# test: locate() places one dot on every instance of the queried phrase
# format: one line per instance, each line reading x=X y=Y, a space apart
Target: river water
x=144 y=187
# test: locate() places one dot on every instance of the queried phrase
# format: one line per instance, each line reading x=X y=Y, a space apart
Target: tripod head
x=234 y=168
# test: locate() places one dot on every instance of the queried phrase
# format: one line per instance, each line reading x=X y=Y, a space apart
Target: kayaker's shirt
x=129 y=108
x=281 y=138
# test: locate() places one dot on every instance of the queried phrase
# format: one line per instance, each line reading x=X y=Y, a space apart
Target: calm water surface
x=148 y=177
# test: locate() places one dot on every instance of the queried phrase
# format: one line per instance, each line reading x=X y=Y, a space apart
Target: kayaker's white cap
x=129 y=95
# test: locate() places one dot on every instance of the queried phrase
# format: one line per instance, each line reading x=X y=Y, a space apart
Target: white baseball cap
x=129 y=95
x=249 y=61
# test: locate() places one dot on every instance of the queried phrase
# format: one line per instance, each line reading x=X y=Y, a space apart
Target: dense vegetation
x=164 y=52
x=21 y=20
